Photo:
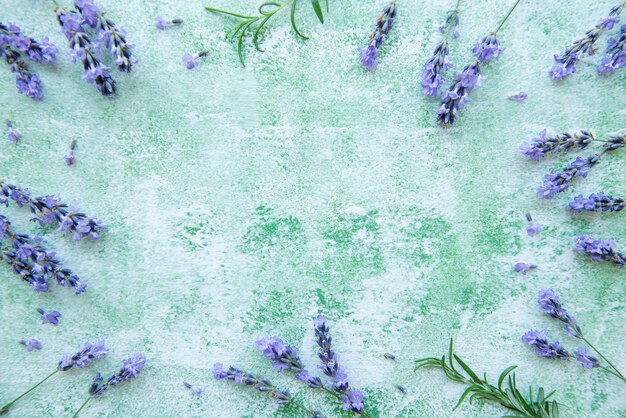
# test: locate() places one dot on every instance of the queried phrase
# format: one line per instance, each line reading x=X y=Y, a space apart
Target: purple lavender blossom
x=557 y=182
x=544 y=144
x=285 y=357
x=550 y=302
x=539 y=340
x=191 y=61
x=83 y=357
x=196 y=390
x=384 y=23
x=83 y=49
x=338 y=378
x=114 y=39
x=353 y=401
x=566 y=61
x=12 y=134
x=519 y=97
x=70 y=158
x=457 y=96
x=33 y=263
x=129 y=371
x=49 y=210
x=262 y=384
x=615 y=57
x=452 y=20
x=488 y=48
x=436 y=64
x=161 y=23
x=524 y=268
x=597 y=202
x=37 y=51
x=32 y=344
x=587 y=361
x=532 y=228
x=599 y=250
x=49 y=317
x=27 y=83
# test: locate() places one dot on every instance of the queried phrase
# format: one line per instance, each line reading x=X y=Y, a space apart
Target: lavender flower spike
x=384 y=23
x=37 y=51
x=129 y=370
x=557 y=182
x=161 y=23
x=587 y=361
x=439 y=63
x=353 y=401
x=566 y=61
x=600 y=250
x=338 y=378
x=597 y=202
x=285 y=357
x=262 y=384
x=539 y=340
x=551 y=304
x=32 y=344
x=488 y=48
x=12 y=134
x=615 y=57
x=457 y=96
x=544 y=144
x=82 y=48
x=114 y=39
x=83 y=357
x=27 y=83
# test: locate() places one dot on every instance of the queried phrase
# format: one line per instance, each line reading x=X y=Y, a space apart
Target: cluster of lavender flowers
x=14 y=43
x=597 y=202
x=384 y=23
x=550 y=303
x=262 y=384
x=566 y=61
x=439 y=62
x=50 y=210
x=599 y=250
x=615 y=57
x=129 y=370
x=544 y=144
x=33 y=263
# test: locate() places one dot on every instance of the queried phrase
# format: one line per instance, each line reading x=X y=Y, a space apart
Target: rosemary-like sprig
x=537 y=405
x=252 y=25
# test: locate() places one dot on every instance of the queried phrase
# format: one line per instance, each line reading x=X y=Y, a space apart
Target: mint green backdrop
x=241 y=202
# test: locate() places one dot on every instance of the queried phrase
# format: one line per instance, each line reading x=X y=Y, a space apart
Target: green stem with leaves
x=6 y=407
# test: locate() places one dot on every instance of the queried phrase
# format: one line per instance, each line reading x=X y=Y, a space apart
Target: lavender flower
x=33 y=263
x=37 y=51
x=615 y=57
x=69 y=158
x=384 y=23
x=597 y=202
x=12 y=134
x=532 y=228
x=437 y=64
x=557 y=182
x=49 y=209
x=196 y=390
x=262 y=384
x=566 y=61
x=457 y=96
x=83 y=357
x=338 y=378
x=129 y=371
x=191 y=61
x=32 y=344
x=519 y=97
x=161 y=23
x=27 y=83
x=390 y=356
x=544 y=144
x=82 y=48
x=539 y=340
x=599 y=250
x=49 y=317
x=551 y=304
x=114 y=38
x=524 y=268
x=452 y=20
x=285 y=357
x=353 y=401
x=488 y=48
x=587 y=361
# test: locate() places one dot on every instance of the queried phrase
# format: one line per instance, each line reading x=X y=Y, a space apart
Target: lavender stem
x=507 y=16
x=6 y=407
x=617 y=372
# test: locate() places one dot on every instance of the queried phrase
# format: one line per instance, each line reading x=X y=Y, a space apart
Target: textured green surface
x=242 y=202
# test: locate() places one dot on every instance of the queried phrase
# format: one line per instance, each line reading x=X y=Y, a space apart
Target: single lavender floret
x=557 y=182
x=32 y=344
x=566 y=61
x=12 y=134
x=129 y=371
x=544 y=144
x=196 y=390
x=550 y=302
x=161 y=23
x=532 y=228
x=89 y=352
x=524 y=268
x=519 y=97
x=70 y=158
x=615 y=57
x=587 y=361
x=191 y=61
x=51 y=317
x=543 y=348
x=37 y=51
x=384 y=23
x=599 y=250
x=597 y=202
x=262 y=384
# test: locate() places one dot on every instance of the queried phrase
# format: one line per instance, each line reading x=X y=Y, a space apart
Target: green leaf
x=318 y=10
x=463 y=396
x=465 y=367
x=293 y=21
x=504 y=374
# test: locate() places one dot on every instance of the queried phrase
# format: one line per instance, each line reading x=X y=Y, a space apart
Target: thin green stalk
x=6 y=407
x=617 y=372
x=507 y=16
x=81 y=407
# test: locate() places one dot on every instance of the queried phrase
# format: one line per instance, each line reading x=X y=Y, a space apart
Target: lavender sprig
x=161 y=23
x=550 y=303
x=129 y=371
x=49 y=210
x=597 y=202
x=384 y=23
x=37 y=51
x=27 y=82
x=81 y=359
x=33 y=263
x=114 y=38
x=543 y=144
x=566 y=61
x=615 y=57
x=82 y=47
x=557 y=182
x=599 y=250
